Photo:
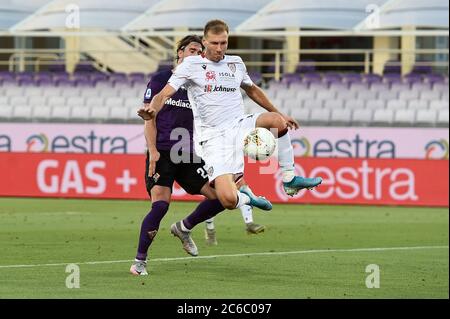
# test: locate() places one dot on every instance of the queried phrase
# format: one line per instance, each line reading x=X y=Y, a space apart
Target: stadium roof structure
x=93 y=14
x=309 y=14
x=13 y=11
x=259 y=18
x=170 y=14
x=399 y=13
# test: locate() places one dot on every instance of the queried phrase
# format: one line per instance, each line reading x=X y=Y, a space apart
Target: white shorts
x=224 y=154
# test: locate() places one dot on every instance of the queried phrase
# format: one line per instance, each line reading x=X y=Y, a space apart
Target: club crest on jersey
x=232 y=67
x=210 y=76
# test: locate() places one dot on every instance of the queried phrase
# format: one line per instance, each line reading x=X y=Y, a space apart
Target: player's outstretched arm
x=150 y=110
x=150 y=136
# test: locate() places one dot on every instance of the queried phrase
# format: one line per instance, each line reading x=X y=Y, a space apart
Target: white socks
x=247 y=213
x=243 y=199
x=210 y=223
x=183 y=228
x=286 y=157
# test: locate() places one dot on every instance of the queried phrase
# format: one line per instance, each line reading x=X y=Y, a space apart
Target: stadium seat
x=366 y=95
x=33 y=91
x=319 y=117
x=5 y=112
x=114 y=101
x=362 y=117
x=313 y=104
x=94 y=101
x=430 y=95
x=56 y=101
x=301 y=115
x=306 y=95
x=326 y=95
x=293 y=104
x=334 y=104
x=52 y=91
x=75 y=101
x=133 y=102
x=443 y=118
x=80 y=113
x=387 y=95
x=375 y=105
x=4 y=100
x=346 y=95
x=439 y=105
x=418 y=104
x=14 y=91
x=377 y=87
x=60 y=113
x=70 y=92
x=37 y=100
x=18 y=100
x=341 y=117
x=100 y=113
x=286 y=94
x=404 y=117
x=118 y=113
x=383 y=117
x=41 y=112
x=355 y=104
x=396 y=105
x=21 y=112
x=426 y=117
x=138 y=93
x=398 y=87
x=408 y=95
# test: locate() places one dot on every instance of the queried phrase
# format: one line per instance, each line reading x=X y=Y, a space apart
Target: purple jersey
x=176 y=113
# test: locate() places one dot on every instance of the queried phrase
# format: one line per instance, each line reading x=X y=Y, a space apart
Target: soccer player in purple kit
x=171 y=159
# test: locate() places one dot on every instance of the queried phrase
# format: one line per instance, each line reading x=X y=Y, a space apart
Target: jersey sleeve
x=153 y=87
x=181 y=75
x=246 y=80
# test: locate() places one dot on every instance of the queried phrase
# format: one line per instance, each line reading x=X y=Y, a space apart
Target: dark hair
x=183 y=43
x=216 y=26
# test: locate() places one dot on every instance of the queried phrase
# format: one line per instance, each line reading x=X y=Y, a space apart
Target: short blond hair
x=216 y=26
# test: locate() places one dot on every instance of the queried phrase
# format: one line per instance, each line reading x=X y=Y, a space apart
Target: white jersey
x=214 y=92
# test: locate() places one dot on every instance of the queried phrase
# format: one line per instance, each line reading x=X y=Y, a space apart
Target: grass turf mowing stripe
x=315 y=251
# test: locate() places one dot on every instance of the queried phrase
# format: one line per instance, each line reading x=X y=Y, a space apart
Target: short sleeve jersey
x=175 y=114
x=213 y=90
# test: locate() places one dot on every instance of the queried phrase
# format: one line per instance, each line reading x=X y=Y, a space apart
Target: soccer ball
x=259 y=144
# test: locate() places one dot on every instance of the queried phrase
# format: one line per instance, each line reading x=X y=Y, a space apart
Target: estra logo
x=301 y=146
x=37 y=143
x=359 y=182
x=88 y=143
x=436 y=149
x=352 y=147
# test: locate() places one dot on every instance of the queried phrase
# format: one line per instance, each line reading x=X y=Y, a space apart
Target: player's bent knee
x=273 y=122
x=228 y=201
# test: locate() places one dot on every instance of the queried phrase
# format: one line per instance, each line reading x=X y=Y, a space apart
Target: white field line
x=298 y=252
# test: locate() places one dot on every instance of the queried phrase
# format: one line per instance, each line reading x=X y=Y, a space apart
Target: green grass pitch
x=310 y=252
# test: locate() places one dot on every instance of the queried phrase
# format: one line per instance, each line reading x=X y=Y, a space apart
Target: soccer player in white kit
x=213 y=81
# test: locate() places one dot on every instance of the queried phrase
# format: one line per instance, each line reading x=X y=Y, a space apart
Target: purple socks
x=149 y=228
x=205 y=210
